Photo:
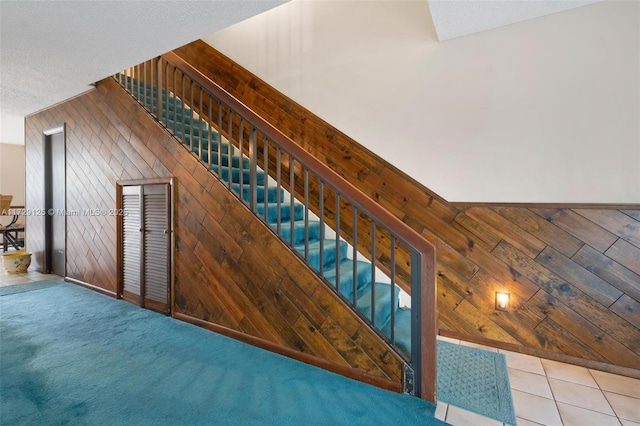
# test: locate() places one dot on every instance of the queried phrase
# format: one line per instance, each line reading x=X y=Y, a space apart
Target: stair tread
x=314 y=232
x=235 y=174
x=402 y=335
x=180 y=119
x=235 y=159
x=363 y=274
x=382 y=303
x=285 y=212
x=329 y=255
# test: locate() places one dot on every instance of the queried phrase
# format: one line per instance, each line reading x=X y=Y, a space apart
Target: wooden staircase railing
x=217 y=119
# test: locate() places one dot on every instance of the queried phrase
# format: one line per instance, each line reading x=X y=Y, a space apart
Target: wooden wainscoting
x=573 y=271
x=230 y=270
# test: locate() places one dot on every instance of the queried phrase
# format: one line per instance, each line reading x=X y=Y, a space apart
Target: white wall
x=11 y=129
x=12 y=175
x=546 y=110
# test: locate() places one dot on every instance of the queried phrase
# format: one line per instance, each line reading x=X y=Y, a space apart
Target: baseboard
x=91 y=287
x=291 y=353
x=541 y=353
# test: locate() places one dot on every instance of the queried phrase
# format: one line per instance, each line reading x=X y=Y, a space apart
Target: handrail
x=420 y=373
x=408 y=234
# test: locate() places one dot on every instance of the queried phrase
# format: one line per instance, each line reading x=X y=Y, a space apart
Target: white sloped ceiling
x=53 y=50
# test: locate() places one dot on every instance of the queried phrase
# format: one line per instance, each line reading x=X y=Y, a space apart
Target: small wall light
x=502 y=300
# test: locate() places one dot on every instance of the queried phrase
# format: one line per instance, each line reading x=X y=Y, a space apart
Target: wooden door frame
x=46 y=142
x=119 y=207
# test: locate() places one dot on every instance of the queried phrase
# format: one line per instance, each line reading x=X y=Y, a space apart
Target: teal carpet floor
x=72 y=356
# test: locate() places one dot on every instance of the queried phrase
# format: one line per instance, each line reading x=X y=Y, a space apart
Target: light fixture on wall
x=502 y=300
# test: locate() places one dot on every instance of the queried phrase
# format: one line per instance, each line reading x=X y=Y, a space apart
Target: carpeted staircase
x=187 y=127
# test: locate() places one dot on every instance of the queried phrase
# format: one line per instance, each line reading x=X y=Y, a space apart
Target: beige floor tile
x=624 y=406
x=628 y=422
x=36 y=276
x=536 y=408
x=581 y=396
x=524 y=422
x=617 y=384
x=577 y=416
x=458 y=417
x=530 y=383
x=13 y=279
x=523 y=362
x=569 y=373
x=441 y=410
x=27 y=277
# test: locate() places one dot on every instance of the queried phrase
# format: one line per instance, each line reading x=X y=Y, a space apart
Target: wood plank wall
x=573 y=273
x=230 y=269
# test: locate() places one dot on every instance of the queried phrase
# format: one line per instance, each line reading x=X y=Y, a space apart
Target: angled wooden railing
x=165 y=84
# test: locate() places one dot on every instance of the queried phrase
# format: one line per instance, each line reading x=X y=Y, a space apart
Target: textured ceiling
x=459 y=18
x=53 y=50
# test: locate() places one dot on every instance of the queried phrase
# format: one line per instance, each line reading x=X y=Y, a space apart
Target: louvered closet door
x=156 y=246
x=146 y=245
x=132 y=244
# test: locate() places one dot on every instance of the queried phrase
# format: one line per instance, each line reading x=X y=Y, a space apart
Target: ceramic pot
x=16 y=262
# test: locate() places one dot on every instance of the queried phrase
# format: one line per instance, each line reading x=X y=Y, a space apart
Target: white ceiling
x=53 y=50
x=453 y=19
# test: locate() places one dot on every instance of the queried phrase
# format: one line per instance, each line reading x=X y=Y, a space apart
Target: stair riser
x=314 y=234
x=195 y=141
x=272 y=193
x=329 y=255
x=363 y=277
x=382 y=304
x=285 y=212
x=402 y=330
x=235 y=160
x=235 y=175
x=180 y=119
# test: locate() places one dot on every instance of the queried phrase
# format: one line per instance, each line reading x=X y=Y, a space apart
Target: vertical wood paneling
x=574 y=273
x=229 y=268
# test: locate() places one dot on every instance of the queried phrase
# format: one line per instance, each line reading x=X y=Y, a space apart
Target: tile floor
x=29 y=276
x=552 y=393
x=544 y=392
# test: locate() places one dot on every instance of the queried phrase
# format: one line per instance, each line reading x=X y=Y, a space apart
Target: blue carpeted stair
x=187 y=127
